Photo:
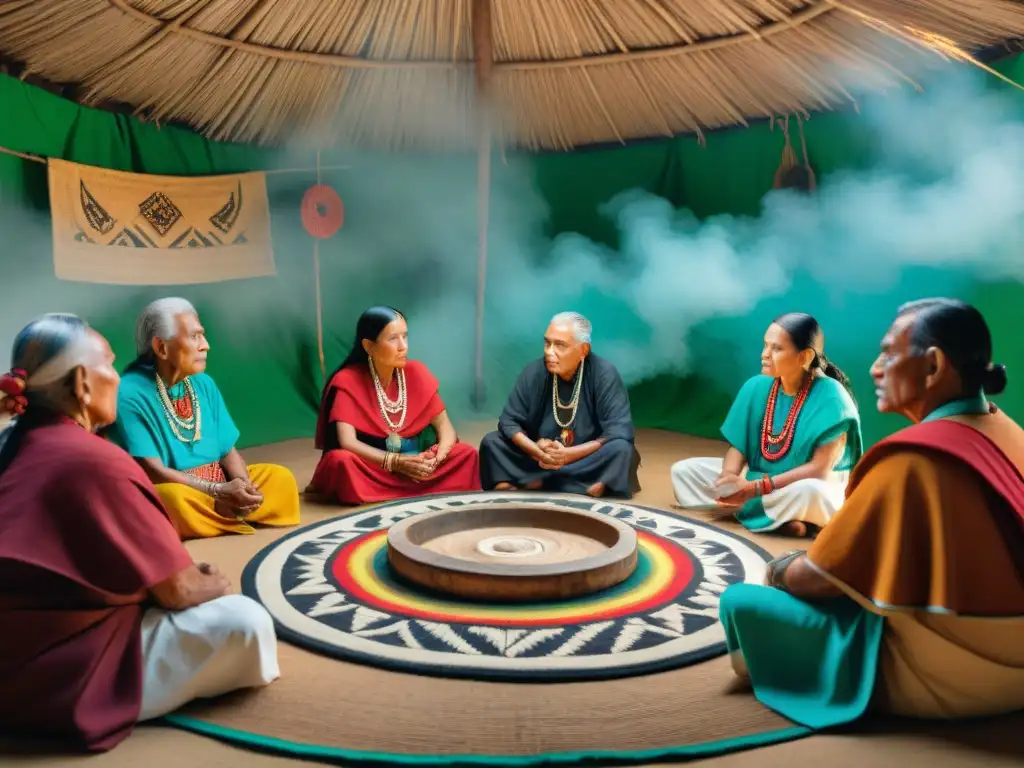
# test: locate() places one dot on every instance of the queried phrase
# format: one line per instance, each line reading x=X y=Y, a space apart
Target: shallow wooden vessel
x=517 y=553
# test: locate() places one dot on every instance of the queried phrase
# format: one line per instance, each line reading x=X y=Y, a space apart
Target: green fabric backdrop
x=262 y=331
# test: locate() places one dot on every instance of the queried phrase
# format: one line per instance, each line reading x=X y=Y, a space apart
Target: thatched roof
x=564 y=72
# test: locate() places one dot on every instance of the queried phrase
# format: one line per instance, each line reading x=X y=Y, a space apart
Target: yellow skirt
x=194 y=514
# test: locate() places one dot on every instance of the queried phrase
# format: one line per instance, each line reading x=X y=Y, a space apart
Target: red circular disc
x=322 y=211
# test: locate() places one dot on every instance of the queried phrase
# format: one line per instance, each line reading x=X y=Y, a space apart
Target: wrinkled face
x=185 y=353
x=97 y=383
x=563 y=351
x=391 y=349
x=780 y=358
x=900 y=375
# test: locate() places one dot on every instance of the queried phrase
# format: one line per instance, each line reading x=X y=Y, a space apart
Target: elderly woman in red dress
x=106 y=620
x=383 y=428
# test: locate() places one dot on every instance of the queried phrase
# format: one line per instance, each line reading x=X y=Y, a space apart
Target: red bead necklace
x=784 y=439
x=183 y=406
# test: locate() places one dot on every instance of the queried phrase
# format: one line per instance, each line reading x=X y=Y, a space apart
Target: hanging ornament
x=792 y=174
x=322 y=211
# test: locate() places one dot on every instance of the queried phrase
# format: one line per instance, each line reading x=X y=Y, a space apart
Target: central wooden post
x=483 y=54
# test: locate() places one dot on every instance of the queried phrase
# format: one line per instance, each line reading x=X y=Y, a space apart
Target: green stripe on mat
x=299 y=750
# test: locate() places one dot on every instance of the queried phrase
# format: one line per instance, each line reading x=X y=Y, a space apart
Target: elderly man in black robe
x=566 y=425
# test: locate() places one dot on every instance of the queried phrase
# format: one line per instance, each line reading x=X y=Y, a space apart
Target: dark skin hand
x=237 y=496
x=416 y=466
x=244 y=499
x=197 y=584
x=803 y=580
x=553 y=455
x=819 y=467
x=422 y=465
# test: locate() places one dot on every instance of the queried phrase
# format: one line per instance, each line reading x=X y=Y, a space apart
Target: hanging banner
x=136 y=229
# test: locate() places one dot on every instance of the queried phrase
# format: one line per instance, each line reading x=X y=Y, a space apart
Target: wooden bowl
x=520 y=553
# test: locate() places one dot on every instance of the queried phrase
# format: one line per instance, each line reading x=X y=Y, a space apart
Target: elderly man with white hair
x=567 y=424
x=172 y=419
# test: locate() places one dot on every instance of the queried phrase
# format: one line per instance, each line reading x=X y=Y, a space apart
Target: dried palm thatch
x=554 y=73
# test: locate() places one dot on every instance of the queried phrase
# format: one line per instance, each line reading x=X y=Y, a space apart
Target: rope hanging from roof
x=791 y=173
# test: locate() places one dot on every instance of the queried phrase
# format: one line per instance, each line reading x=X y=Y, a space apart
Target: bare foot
x=800 y=529
x=503 y=487
x=794 y=528
x=738 y=685
x=596 y=490
x=536 y=485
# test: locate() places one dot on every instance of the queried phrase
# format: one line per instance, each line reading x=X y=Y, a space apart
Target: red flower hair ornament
x=12 y=387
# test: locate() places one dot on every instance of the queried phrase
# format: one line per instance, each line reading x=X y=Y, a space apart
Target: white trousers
x=205 y=651
x=810 y=501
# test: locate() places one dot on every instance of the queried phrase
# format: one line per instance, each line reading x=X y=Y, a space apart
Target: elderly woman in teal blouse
x=793 y=433
x=172 y=419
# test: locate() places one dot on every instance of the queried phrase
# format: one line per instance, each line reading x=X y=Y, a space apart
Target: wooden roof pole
x=483 y=53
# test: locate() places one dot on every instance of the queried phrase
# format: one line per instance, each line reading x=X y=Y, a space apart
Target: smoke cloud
x=945 y=190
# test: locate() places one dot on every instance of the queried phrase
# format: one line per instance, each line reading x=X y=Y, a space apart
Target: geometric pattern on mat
x=329 y=588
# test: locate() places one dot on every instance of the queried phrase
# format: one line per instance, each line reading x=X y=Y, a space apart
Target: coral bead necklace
x=775 y=446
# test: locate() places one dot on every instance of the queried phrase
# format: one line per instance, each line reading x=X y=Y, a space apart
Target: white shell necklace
x=573 y=404
x=193 y=423
x=388 y=406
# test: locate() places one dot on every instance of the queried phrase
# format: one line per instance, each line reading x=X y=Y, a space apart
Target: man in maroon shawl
x=383 y=428
x=85 y=550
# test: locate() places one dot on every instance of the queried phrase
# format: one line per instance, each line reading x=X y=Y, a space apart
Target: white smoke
x=946 y=189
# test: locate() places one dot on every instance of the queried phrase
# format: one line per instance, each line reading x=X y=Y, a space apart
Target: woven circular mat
x=330 y=588
x=327 y=708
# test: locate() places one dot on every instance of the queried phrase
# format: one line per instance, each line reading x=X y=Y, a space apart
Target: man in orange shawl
x=911 y=601
x=383 y=428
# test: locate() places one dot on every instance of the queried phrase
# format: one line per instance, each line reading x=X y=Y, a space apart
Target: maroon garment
x=83 y=536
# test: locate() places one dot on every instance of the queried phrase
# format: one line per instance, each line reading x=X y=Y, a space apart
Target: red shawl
x=83 y=538
x=961 y=442
x=350 y=398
